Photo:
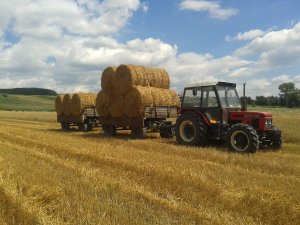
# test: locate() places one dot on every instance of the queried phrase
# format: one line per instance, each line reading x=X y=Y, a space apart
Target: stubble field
x=48 y=176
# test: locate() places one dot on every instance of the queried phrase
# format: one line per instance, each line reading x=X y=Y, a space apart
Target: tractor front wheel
x=242 y=138
x=275 y=138
x=191 y=130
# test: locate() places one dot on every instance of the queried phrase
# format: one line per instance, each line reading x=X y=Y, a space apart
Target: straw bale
x=80 y=101
x=134 y=102
x=66 y=104
x=103 y=102
x=117 y=105
x=165 y=97
x=58 y=104
x=139 y=97
x=129 y=75
x=107 y=78
x=175 y=101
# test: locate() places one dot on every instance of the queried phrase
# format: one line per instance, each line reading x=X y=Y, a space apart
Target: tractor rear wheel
x=275 y=138
x=191 y=130
x=242 y=138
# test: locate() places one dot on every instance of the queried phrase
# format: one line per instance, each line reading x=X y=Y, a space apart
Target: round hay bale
x=165 y=97
x=80 y=101
x=139 y=97
x=66 y=104
x=103 y=101
x=128 y=76
x=58 y=104
x=175 y=101
x=117 y=106
x=134 y=102
x=107 y=78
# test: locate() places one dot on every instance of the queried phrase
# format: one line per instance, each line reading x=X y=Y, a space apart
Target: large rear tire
x=191 y=130
x=242 y=138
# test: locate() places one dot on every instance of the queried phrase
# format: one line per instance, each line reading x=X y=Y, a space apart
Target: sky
x=65 y=45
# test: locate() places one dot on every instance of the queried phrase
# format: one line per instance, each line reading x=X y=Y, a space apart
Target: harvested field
x=48 y=176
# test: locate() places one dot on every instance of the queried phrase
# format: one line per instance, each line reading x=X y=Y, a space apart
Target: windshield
x=228 y=97
x=192 y=98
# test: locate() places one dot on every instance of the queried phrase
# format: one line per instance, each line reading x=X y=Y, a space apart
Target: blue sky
x=65 y=44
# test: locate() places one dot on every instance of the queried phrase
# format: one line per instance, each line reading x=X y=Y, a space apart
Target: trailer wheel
x=242 y=138
x=109 y=130
x=65 y=126
x=138 y=132
x=167 y=132
x=84 y=127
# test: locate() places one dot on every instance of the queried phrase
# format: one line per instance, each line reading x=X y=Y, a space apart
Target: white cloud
x=246 y=36
x=145 y=7
x=281 y=79
x=297 y=78
x=272 y=51
x=63 y=46
x=214 y=8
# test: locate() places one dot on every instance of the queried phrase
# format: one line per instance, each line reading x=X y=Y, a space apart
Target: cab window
x=192 y=98
x=209 y=98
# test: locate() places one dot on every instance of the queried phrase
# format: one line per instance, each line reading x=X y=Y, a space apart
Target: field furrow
x=57 y=177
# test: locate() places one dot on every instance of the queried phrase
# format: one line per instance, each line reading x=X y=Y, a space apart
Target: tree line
x=28 y=91
x=289 y=96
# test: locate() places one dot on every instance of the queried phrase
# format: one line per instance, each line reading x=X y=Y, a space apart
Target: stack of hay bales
x=80 y=101
x=126 y=90
x=74 y=104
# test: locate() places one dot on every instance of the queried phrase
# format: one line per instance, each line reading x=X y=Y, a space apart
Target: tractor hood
x=250 y=114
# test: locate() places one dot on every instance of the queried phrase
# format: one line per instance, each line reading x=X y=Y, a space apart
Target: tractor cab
x=213 y=111
x=213 y=100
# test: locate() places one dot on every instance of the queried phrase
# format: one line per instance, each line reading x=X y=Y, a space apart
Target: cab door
x=210 y=105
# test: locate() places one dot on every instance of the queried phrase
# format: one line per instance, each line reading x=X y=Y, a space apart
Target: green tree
x=261 y=100
x=289 y=94
x=285 y=87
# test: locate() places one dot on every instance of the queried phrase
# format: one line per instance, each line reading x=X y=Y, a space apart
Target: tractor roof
x=219 y=83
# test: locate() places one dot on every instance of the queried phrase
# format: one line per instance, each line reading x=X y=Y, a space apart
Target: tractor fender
x=197 y=112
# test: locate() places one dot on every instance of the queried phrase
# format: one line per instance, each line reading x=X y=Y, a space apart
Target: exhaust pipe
x=244 y=102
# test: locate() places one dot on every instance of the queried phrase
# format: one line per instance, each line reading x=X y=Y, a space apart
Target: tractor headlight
x=268 y=122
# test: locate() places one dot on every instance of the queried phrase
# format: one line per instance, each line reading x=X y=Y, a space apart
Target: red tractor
x=213 y=111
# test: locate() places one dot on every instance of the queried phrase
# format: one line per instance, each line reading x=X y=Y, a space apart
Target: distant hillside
x=28 y=91
x=27 y=102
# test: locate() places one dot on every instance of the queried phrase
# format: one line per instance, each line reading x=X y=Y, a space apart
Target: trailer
x=154 y=118
x=85 y=121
